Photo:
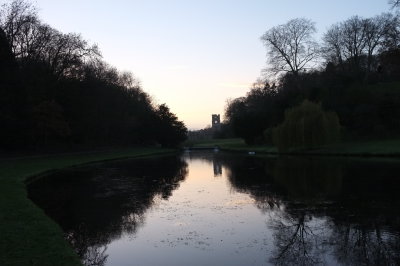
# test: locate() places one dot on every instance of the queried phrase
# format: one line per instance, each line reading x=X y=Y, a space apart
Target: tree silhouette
x=394 y=3
x=291 y=47
x=170 y=130
x=351 y=41
x=49 y=121
x=55 y=86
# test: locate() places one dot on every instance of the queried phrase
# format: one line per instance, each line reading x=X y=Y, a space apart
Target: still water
x=222 y=209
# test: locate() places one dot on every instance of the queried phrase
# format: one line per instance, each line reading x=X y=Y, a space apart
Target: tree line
x=353 y=73
x=56 y=91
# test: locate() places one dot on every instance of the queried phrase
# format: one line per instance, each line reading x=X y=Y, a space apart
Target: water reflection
x=310 y=211
x=324 y=210
x=97 y=204
x=298 y=239
x=217 y=166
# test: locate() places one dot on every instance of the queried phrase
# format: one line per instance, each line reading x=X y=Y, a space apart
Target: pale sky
x=192 y=55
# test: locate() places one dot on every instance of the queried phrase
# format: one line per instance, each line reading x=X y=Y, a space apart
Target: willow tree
x=306 y=126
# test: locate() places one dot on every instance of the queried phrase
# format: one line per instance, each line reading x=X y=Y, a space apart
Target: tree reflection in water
x=362 y=246
x=317 y=210
x=323 y=210
x=300 y=228
x=95 y=205
x=298 y=239
x=95 y=256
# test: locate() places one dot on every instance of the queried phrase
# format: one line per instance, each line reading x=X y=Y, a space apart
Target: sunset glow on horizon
x=192 y=55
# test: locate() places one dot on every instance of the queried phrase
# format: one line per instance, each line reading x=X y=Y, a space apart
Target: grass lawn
x=390 y=147
x=236 y=145
x=27 y=235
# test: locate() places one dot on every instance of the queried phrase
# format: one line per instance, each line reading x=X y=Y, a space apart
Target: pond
x=205 y=208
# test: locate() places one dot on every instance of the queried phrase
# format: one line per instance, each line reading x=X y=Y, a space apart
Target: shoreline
x=28 y=235
x=312 y=153
x=376 y=148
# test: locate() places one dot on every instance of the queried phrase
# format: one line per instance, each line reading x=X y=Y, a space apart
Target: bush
x=306 y=126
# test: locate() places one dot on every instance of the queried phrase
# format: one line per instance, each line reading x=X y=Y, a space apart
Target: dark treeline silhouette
x=55 y=91
x=354 y=72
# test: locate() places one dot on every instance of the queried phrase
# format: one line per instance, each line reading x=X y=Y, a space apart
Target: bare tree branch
x=356 y=41
x=30 y=39
x=291 y=47
x=394 y=3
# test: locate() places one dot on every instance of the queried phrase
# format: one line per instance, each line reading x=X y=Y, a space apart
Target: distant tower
x=216 y=122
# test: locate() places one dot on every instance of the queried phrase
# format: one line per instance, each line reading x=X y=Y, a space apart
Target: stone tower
x=216 y=121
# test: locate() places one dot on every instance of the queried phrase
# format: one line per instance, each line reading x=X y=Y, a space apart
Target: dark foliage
x=359 y=81
x=306 y=126
x=56 y=92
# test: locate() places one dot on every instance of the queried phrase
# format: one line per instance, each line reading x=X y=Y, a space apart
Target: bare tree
x=346 y=41
x=356 y=41
x=29 y=38
x=392 y=32
x=394 y=3
x=15 y=19
x=291 y=47
x=376 y=30
x=67 y=52
x=333 y=45
x=353 y=39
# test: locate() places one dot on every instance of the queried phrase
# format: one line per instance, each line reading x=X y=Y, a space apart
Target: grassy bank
x=390 y=147
x=234 y=145
x=27 y=235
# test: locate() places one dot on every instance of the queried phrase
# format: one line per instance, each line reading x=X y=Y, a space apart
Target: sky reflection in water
x=221 y=209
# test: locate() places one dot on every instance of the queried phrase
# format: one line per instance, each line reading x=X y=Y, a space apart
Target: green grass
x=236 y=145
x=27 y=235
x=390 y=147
x=213 y=142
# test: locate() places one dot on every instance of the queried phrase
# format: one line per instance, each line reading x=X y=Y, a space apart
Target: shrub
x=306 y=126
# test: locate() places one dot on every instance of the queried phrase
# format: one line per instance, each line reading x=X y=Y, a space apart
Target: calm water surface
x=223 y=209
